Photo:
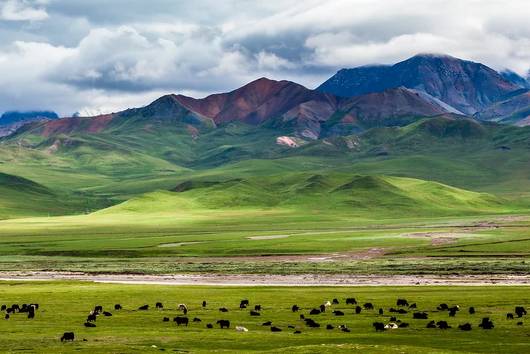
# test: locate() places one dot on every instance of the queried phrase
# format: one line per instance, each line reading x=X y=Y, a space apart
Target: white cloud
x=22 y=10
x=105 y=56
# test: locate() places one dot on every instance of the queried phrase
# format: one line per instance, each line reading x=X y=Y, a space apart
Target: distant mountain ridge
x=465 y=85
x=12 y=120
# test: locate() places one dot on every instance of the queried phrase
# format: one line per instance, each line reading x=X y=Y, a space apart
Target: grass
x=65 y=305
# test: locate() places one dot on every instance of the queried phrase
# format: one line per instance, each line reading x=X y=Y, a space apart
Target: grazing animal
x=509 y=316
x=358 y=309
x=117 y=307
x=322 y=308
x=314 y=312
x=381 y=312
x=257 y=307
x=68 y=336
x=471 y=310
x=443 y=325
x=311 y=323
x=465 y=327
x=245 y=302
x=413 y=306
x=329 y=326
x=90 y=324
x=159 y=305
x=302 y=317
x=391 y=326
x=338 y=313
x=98 y=308
x=223 y=309
x=297 y=332
x=431 y=324
x=379 y=326
x=268 y=323
x=91 y=318
x=393 y=319
x=420 y=315
x=241 y=329
x=295 y=308
x=520 y=311
x=6 y=316
x=242 y=306
x=254 y=313
x=107 y=314
x=3 y=308
x=402 y=311
x=204 y=303
x=351 y=301
x=442 y=307
x=275 y=329
x=335 y=301
x=196 y=319
x=520 y=323
x=224 y=323
x=183 y=308
x=345 y=329
x=452 y=313
x=181 y=320
x=403 y=325
x=402 y=302
x=165 y=319
x=209 y=325
x=143 y=308
x=368 y=306
x=486 y=323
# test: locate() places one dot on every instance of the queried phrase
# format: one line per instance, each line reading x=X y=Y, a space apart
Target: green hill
x=332 y=193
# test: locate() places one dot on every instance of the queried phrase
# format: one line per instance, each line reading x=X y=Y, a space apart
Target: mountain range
x=441 y=121
x=351 y=101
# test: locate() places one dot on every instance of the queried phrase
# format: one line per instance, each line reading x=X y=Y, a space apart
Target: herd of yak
x=402 y=307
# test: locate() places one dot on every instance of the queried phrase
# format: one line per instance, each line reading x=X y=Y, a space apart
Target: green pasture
x=63 y=306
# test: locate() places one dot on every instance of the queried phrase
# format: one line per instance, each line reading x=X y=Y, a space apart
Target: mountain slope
x=20 y=197
x=515 y=110
x=467 y=86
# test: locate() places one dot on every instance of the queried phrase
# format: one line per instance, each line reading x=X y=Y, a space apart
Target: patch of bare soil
x=439 y=238
x=270 y=237
x=274 y=280
x=178 y=244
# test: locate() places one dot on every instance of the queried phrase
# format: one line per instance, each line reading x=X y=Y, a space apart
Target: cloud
x=98 y=55
x=22 y=10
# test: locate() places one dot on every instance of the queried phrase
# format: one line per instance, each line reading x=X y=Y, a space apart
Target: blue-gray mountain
x=12 y=120
x=468 y=87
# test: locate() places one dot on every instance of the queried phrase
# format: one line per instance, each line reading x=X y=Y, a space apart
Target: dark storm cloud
x=102 y=55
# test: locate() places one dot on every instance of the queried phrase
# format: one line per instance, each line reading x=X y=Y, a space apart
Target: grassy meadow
x=65 y=305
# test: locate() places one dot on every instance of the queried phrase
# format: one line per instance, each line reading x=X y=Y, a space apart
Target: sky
x=101 y=56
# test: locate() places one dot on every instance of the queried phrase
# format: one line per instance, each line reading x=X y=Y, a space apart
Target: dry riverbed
x=273 y=280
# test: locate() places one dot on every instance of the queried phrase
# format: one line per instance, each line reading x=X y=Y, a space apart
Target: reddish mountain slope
x=255 y=102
